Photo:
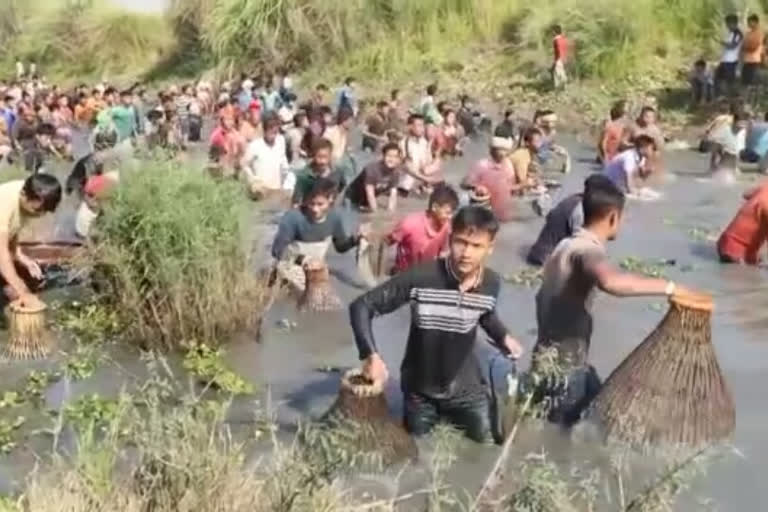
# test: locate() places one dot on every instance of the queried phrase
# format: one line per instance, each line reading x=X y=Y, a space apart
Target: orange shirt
x=753 y=47
x=746 y=234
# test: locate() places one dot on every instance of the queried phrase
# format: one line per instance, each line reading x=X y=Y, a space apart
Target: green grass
x=171 y=259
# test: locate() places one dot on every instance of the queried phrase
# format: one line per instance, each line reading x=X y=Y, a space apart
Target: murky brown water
x=287 y=362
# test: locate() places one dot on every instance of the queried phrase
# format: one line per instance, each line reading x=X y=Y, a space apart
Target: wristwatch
x=670 y=289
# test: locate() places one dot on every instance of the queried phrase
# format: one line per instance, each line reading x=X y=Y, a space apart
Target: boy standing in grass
x=725 y=76
x=560 y=48
x=752 y=52
x=449 y=298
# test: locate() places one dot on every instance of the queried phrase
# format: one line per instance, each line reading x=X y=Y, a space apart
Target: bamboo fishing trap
x=28 y=335
x=362 y=406
x=669 y=392
x=318 y=294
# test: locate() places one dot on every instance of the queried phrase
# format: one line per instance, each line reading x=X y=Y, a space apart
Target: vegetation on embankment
x=376 y=40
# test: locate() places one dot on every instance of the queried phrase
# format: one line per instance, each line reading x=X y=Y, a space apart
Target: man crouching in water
x=449 y=297
x=21 y=201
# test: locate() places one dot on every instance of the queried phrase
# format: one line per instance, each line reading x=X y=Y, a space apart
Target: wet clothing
x=497 y=178
x=417 y=241
x=506 y=130
x=124 y=119
x=562 y=222
x=610 y=139
x=375 y=125
x=470 y=412
x=748 y=232
x=306 y=179
x=296 y=226
x=440 y=375
x=756 y=145
x=265 y=164
x=564 y=318
x=623 y=169
x=376 y=174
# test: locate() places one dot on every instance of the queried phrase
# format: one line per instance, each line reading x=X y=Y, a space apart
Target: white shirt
x=266 y=163
x=731 y=55
x=623 y=168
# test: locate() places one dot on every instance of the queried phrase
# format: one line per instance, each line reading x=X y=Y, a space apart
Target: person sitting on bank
x=563 y=221
x=449 y=297
x=748 y=231
x=305 y=234
x=577 y=268
x=20 y=201
x=378 y=179
x=702 y=83
x=320 y=166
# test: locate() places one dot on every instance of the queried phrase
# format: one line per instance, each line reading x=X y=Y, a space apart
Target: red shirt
x=746 y=234
x=497 y=178
x=561 y=47
x=417 y=241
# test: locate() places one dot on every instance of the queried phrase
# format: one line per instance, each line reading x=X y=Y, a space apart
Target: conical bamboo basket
x=669 y=392
x=28 y=336
x=363 y=405
x=318 y=294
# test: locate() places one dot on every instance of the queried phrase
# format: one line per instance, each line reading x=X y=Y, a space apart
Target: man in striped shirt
x=449 y=297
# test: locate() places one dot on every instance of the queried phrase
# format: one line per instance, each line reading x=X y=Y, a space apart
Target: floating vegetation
x=82 y=363
x=36 y=384
x=8 y=431
x=90 y=411
x=528 y=277
x=650 y=268
x=703 y=234
x=208 y=365
x=90 y=323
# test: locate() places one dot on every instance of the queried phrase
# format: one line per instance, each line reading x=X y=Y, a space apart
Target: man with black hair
x=376 y=126
x=449 y=297
x=124 y=117
x=563 y=221
x=20 y=201
x=422 y=168
x=507 y=129
x=306 y=233
x=379 y=178
x=422 y=236
x=630 y=167
x=321 y=166
x=347 y=97
x=725 y=75
x=576 y=269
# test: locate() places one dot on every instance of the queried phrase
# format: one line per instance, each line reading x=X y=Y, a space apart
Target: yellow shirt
x=521 y=161
x=11 y=215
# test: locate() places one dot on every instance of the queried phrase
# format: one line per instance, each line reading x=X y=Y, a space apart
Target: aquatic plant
x=208 y=365
x=82 y=363
x=650 y=268
x=36 y=384
x=527 y=277
x=171 y=259
x=90 y=411
x=8 y=429
x=90 y=322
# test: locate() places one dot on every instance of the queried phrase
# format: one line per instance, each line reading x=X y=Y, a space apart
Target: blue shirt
x=757 y=139
x=10 y=118
x=244 y=100
x=346 y=96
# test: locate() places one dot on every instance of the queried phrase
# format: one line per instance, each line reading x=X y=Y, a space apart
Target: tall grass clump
x=643 y=37
x=86 y=40
x=170 y=256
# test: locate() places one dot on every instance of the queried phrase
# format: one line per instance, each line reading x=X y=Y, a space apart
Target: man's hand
x=516 y=350
x=31 y=301
x=33 y=268
x=375 y=369
x=364 y=231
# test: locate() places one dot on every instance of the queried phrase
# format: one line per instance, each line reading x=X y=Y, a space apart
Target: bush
x=170 y=257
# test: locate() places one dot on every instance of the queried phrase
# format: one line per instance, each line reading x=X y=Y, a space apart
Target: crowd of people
x=279 y=145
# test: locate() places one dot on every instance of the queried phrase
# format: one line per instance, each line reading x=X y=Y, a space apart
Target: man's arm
x=392 y=205
x=8 y=269
x=370 y=196
x=286 y=234
x=623 y=284
x=382 y=300
x=341 y=241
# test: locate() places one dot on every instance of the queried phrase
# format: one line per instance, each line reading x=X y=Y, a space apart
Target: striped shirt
x=439 y=359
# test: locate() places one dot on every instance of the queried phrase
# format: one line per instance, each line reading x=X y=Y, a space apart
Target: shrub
x=169 y=256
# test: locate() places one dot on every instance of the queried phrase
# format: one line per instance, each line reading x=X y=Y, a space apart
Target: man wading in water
x=572 y=273
x=449 y=297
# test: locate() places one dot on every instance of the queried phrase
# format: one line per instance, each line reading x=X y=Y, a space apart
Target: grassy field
x=372 y=39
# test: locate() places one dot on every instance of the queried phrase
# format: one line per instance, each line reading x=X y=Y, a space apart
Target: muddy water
x=290 y=364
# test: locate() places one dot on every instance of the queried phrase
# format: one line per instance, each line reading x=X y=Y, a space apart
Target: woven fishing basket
x=669 y=392
x=318 y=294
x=28 y=336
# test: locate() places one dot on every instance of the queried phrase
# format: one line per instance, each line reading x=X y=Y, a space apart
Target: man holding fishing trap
x=449 y=297
x=20 y=201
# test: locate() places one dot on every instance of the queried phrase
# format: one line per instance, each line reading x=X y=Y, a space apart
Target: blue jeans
x=469 y=412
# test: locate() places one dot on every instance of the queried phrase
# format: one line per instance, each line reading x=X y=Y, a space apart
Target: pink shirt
x=497 y=178
x=417 y=241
